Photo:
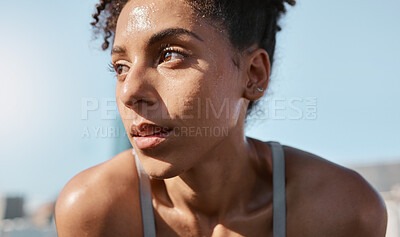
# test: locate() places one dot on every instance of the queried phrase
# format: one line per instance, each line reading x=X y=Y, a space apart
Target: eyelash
x=111 y=67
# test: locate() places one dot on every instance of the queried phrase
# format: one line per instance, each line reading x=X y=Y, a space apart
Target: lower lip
x=150 y=141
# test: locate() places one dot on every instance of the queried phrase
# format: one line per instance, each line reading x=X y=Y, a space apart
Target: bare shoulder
x=326 y=199
x=101 y=200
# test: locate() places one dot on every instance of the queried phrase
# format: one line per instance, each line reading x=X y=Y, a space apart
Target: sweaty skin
x=139 y=19
x=178 y=71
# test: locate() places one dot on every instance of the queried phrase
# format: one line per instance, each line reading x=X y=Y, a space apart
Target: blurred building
x=14 y=222
x=14 y=207
x=11 y=207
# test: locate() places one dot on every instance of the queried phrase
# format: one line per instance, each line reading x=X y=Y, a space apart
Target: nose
x=137 y=90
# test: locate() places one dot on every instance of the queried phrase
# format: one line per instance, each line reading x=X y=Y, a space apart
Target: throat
x=216 y=187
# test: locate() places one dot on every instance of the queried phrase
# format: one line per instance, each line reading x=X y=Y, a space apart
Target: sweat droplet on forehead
x=139 y=18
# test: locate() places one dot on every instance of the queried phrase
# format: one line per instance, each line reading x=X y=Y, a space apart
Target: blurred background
x=335 y=92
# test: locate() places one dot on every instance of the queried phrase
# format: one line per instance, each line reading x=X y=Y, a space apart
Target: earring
x=260 y=89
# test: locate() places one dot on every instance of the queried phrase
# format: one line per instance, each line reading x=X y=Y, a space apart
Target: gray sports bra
x=279 y=194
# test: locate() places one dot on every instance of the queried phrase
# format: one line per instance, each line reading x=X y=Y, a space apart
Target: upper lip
x=147 y=129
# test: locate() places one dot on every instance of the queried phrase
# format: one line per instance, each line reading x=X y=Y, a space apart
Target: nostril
x=141 y=102
x=134 y=102
x=148 y=102
x=129 y=103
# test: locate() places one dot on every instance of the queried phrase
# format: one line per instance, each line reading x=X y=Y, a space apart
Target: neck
x=220 y=183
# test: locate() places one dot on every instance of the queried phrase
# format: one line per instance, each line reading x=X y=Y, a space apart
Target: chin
x=160 y=169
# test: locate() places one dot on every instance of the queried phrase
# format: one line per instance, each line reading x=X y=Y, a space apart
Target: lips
x=147 y=135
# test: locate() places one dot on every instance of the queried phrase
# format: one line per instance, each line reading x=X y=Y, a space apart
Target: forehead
x=141 y=17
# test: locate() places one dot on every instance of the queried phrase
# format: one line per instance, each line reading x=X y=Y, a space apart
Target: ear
x=258 y=70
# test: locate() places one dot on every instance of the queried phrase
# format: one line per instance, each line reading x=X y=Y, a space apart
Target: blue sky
x=337 y=59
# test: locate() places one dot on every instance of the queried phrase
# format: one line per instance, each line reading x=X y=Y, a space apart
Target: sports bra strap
x=279 y=190
x=146 y=206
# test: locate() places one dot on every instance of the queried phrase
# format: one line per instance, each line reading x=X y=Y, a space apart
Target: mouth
x=148 y=136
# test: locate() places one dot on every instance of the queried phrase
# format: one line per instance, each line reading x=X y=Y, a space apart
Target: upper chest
x=170 y=222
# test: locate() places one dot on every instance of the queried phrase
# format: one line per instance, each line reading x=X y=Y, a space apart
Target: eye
x=170 y=54
x=121 y=69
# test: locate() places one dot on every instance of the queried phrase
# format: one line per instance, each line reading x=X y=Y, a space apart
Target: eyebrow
x=118 y=50
x=159 y=36
x=170 y=32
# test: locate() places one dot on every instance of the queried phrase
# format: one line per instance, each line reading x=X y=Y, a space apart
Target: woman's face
x=177 y=72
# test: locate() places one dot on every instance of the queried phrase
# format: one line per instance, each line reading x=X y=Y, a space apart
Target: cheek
x=202 y=99
x=182 y=96
x=225 y=93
